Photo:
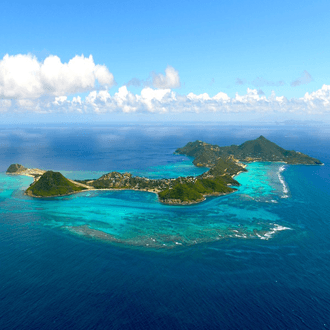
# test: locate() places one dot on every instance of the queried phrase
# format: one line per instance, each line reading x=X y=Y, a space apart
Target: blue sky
x=271 y=47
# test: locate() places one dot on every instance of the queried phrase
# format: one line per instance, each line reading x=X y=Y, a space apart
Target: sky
x=164 y=61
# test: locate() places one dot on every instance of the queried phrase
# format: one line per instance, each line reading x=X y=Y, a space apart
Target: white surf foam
x=270 y=233
x=284 y=185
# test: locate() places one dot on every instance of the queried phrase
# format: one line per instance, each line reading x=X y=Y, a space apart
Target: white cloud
x=24 y=77
x=60 y=99
x=171 y=79
x=167 y=101
x=43 y=87
x=251 y=96
x=319 y=100
x=154 y=98
x=77 y=100
x=202 y=97
x=26 y=103
x=222 y=96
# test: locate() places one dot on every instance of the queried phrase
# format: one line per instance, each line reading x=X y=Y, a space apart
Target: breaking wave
x=269 y=234
x=284 y=185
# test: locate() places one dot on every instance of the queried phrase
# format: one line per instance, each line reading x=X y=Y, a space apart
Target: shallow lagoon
x=137 y=218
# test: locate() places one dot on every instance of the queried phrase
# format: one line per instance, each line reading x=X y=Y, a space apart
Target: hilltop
x=53 y=184
x=260 y=149
x=15 y=168
x=18 y=169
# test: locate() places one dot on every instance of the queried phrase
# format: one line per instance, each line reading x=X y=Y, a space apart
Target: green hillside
x=223 y=162
x=52 y=184
x=193 y=191
x=259 y=149
x=225 y=166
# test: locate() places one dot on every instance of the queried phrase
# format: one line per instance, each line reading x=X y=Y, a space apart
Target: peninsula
x=224 y=164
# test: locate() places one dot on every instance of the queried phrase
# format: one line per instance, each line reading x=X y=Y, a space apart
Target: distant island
x=224 y=164
x=258 y=150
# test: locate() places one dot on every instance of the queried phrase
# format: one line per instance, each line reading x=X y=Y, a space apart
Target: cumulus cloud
x=305 y=78
x=149 y=100
x=319 y=98
x=222 y=96
x=24 y=77
x=167 y=101
x=171 y=79
x=152 y=100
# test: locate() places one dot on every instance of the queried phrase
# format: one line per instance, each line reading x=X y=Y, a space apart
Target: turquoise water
x=254 y=259
x=184 y=167
x=263 y=181
x=138 y=219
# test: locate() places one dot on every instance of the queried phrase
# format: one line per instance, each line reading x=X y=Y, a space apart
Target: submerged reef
x=223 y=162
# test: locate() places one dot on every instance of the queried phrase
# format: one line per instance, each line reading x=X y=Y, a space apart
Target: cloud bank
x=24 y=77
x=28 y=85
x=166 y=101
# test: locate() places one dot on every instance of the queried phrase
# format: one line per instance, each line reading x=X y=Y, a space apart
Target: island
x=18 y=169
x=224 y=164
x=258 y=150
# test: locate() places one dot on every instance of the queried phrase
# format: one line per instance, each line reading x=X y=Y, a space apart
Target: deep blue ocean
x=255 y=259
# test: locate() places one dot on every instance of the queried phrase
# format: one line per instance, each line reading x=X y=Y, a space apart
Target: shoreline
x=36 y=176
x=132 y=189
x=282 y=161
x=89 y=188
x=127 y=189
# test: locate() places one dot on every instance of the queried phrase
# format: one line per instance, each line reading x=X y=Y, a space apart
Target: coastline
x=178 y=199
x=282 y=161
x=35 y=174
x=88 y=189
x=116 y=189
x=132 y=189
x=24 y=174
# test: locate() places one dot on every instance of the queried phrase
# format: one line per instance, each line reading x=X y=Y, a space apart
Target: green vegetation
x=224 y=164
x=216 y=185
x=175 y=191
x=193 y=191
x=259 y=149
x=118 y=180
x=52 y=184
x=181 y=192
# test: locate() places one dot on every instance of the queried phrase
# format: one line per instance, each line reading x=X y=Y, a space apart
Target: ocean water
x=255 y=259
